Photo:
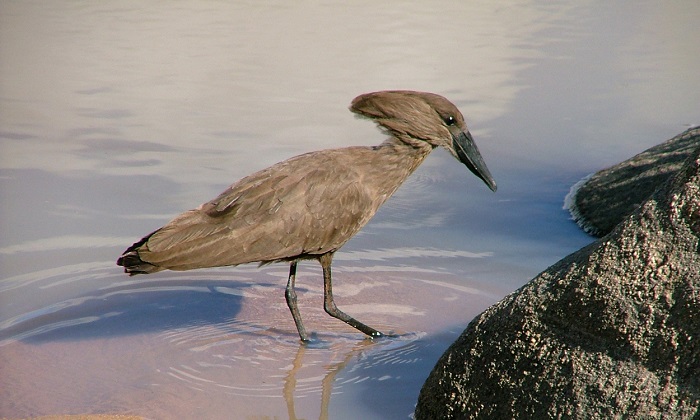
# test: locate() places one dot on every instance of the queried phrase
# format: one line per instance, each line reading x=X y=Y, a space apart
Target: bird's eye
x=450 y=120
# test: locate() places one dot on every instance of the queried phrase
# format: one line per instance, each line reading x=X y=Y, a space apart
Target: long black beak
x=468 y=154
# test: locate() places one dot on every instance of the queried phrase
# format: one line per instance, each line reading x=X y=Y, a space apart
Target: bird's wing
x=310 y=204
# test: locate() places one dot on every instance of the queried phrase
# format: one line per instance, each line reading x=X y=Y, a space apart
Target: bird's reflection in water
x=256 y=366
x=327 y=382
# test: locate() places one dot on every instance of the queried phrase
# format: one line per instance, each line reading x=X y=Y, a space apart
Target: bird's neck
x=399 y=160
x=408 y=153
x=388 y=167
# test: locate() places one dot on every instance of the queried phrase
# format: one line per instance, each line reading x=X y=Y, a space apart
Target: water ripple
x=227 y=333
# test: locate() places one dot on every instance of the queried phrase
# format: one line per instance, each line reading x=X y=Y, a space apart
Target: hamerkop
x=309 y=206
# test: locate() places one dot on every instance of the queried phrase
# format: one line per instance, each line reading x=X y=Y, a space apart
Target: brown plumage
x=308 y=206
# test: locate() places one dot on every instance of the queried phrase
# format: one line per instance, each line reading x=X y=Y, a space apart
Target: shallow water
x=116 y=116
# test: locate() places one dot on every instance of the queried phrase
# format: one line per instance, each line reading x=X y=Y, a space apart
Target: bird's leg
x=291 y=295
x=329 y=304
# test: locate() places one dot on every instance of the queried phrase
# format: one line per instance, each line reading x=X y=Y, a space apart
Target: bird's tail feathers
x=132 y=262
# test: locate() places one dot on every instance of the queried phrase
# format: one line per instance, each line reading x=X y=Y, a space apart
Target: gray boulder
x=611 y=331
x=600 y=202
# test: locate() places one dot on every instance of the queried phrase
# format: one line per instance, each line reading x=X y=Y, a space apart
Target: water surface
x=116 y=116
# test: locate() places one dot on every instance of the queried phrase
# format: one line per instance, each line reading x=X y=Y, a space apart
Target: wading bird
x=309 y=206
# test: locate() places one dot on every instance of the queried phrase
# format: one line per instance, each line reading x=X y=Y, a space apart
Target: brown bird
x=309 y=206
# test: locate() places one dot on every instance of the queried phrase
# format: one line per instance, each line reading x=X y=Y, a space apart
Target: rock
x=611 y=331
x=599 y=202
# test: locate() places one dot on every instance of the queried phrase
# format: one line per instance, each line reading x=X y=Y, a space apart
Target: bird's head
x=421 y=116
